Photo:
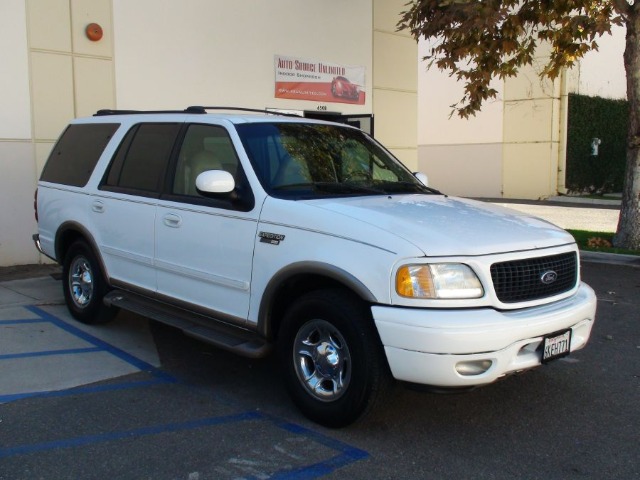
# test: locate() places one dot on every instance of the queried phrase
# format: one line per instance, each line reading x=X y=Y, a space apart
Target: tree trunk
x=628 y=234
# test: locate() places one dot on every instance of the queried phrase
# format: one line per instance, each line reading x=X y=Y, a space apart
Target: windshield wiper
x=331 y=187
x=359 y=188
x=302 y=185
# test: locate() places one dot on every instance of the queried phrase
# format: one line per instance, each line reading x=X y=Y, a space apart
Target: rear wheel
x=84 y=285
x=334 y=365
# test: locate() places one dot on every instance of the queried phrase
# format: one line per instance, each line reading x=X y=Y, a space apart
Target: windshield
x=307 y=160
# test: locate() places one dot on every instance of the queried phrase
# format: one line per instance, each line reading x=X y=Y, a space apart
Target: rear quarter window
x=141 y=161
x=76 y=153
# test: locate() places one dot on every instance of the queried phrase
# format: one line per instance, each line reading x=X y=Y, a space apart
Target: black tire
x=84 y=285
x=334 y=364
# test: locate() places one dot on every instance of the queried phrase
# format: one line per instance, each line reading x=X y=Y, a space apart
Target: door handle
x=172 y=220
x=97 y=206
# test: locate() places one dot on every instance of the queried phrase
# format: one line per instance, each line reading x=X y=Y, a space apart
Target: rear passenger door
x=125 y=210
x=204 y=245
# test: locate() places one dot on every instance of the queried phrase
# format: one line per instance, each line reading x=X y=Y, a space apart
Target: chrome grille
x=522 y=280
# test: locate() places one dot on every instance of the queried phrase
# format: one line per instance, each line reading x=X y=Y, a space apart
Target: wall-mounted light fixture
x=93 y=32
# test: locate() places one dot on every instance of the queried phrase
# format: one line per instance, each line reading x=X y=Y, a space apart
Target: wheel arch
x=299 y=278
x=70 y=232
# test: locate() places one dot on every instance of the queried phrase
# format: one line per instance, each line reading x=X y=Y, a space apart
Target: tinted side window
x=205 y=147
x=142 y=158
x=76 y=153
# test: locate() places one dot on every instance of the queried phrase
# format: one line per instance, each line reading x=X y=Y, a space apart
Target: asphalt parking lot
x=134 y=399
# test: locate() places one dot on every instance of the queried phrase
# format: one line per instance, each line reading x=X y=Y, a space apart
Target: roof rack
x=199 y=109
x=194 y=109
x=105 y=112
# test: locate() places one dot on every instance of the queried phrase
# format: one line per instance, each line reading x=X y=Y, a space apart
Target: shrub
x=589 y=118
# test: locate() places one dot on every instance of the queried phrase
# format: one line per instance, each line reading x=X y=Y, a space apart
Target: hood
x=450 y=226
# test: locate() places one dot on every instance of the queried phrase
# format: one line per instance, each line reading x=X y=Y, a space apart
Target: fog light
x=475 y=367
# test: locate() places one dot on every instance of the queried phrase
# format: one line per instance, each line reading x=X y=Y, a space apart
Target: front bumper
x=431 y=346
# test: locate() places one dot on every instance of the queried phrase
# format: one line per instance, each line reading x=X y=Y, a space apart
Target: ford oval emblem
x=548 y=277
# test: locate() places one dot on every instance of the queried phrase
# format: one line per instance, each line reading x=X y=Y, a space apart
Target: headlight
x=438 y=280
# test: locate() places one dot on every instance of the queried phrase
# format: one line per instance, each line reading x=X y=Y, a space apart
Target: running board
x=207 y=329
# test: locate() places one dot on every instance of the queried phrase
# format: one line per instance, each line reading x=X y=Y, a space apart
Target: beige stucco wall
x=204 y=52
x=533 y=126
x=17 y=181
x=395 y=83
x=512 y=148
x=466 y=169
x=460 y=156
x=176 y=53
x=70 y=75
x=213 y=62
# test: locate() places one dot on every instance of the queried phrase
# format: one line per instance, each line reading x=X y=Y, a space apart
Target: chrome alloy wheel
x=322 y=360
x=81 y=281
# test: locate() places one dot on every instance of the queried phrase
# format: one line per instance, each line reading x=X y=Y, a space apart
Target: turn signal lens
x=415 y=281
x=438 y=280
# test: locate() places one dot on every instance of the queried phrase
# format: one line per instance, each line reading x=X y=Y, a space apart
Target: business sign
x=319 y=81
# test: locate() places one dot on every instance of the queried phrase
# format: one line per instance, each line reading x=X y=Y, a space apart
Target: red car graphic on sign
x=342 y=87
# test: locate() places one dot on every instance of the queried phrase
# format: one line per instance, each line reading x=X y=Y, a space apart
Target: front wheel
x=335 y=369
x=84 y=285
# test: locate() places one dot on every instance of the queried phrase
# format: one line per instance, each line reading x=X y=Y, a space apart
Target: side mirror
x=422 y=178
x=215 y=181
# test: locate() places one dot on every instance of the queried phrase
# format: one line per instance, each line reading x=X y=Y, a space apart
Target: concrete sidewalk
x=587 y=215
x=584 y=217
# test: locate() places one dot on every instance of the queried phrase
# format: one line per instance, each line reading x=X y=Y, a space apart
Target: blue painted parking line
x=115 y=351
x=97 y=345
x=346 y=453
x=114 y=436
x=83 y=390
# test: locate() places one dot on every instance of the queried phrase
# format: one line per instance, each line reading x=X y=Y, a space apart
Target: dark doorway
x=363 y=121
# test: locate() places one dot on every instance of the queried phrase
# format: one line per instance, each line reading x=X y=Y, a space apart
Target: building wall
x=175 y=53
x=602 y=73
x=511 y=148
x=71 y=76
x=17 y=165
x=54 y=73
x=533 y=125
x=203 y=52
x=516 y=146
x=395 y=83
x=460 y=156
x=213 y=62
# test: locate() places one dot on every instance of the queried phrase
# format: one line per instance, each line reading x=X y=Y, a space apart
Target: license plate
x=556 y=345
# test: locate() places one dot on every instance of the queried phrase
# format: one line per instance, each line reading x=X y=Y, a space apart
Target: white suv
x=257 y=231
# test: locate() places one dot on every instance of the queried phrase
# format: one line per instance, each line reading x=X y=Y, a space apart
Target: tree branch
x=622 y=7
